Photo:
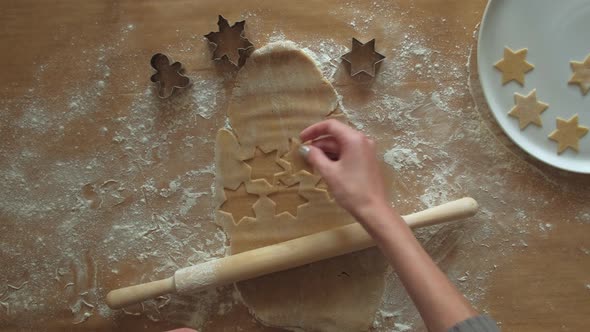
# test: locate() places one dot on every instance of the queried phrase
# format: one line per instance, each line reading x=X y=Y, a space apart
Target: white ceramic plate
x=555 y=33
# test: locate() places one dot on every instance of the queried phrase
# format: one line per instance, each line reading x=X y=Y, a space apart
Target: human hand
x=346 y=159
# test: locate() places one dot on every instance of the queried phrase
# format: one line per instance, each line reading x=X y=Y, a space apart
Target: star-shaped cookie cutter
x=363 y=58
x=229 y=43
x=167 y=76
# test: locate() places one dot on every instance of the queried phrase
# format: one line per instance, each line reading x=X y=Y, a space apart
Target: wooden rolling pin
x=280 y=256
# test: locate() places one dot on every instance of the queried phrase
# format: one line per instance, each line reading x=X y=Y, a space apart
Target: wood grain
x=49 y=48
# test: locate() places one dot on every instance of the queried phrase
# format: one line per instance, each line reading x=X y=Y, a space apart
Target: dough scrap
x=514 y=65
x=294 y=158
x=581 y=74
x=528 y=109
x=279 y=92
x=568 y=134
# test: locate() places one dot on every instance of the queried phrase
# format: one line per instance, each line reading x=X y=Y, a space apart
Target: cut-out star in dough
x=239 y=203
x=363 y=58
x=528 y=109
x=514 y=65
x=324 y=186
x=568 y=134
x=581 y=74
x=294 y=158
x=288 y=199
x=264 y=165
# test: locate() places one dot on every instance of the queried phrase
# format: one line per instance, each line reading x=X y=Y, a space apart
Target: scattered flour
x=584 y=217
x=399 y=327
x=124 y=201
x=327 y=55
x=146 y=202
x=400 y=158
x=132 y=192
x=141 y=203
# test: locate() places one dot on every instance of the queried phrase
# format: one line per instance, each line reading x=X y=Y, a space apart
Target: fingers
x=316 y=158
x=327 y=144
x=330 y=127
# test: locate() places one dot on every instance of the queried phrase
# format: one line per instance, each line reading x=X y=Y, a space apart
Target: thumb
x=316 y=158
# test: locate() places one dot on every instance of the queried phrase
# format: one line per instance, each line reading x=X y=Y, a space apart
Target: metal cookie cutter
x=167 y=76
x=229 y=43
x=363 y=58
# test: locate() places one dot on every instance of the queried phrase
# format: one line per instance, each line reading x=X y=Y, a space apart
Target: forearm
x=440 y=304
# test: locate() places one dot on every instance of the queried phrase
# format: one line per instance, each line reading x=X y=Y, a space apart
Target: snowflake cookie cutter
x=167 y=76
x=363 y=58
x=229 y=43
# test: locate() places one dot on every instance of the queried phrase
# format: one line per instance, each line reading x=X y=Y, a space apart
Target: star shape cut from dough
x=324 y=186
x=287 y=199
x=295 y=159
x=568 y=134
x=528 y=109
x=581 y=74
x=514 y=65
x=363 y=58
x=239 y=203
x=230 y=43
x=264 y=165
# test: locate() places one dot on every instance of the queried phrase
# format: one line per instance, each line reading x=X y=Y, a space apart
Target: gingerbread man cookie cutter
x=167 y=76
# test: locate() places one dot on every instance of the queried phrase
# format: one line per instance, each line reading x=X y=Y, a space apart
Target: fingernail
x=304 y=150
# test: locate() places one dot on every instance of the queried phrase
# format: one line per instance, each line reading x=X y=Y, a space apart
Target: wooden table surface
x=104 y=185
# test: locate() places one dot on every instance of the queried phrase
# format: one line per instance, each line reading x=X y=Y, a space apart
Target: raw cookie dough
x=528 y=109
x=581 y=74
x=514 y=65
x=264 y=166
x=279 y=92
x=568 y=134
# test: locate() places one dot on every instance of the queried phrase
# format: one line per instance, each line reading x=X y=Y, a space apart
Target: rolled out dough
x=278 y=93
